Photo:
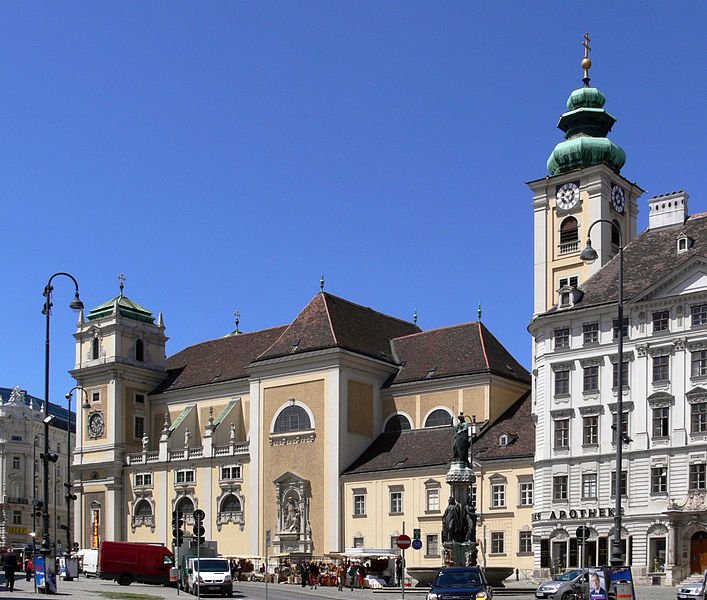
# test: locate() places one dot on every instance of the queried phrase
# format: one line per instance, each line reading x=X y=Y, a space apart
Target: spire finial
x=414 y=316
x=321 y=283
x=121 y=279
x=586 y=61
x=237 y=314
x=478 y=312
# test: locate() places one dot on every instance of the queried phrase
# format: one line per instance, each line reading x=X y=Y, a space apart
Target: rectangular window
x=432 y=547
x=661 y=320
x=615 y=373
x=432 y=499
x=526 y=493
x=660 y=422
x=661 y=368
x=140 y=398
x=615 y=326
x=497 y=542
x=590 y=333
x=698 y=313
x=525 y=542
x=231 y=472
x=359 y=503
x=358 y=542
x=562 y=337
x=562 y=382
x=699 y=363
x=560 y=487
x=697 y=477
x=589 y=486
x=590 y=430
x=591 y=379
x=143 y=479
x=624 y=426
x=396 y=503
x=624 y=483
x=95 y=397
x=698 y=418
x=659 y=480
x=562 y=433
x=498 y=495
x=185 y=476
x=569 y=281
x=16 y=438
x=17 y=517
x=139 y=427
x=15 y=462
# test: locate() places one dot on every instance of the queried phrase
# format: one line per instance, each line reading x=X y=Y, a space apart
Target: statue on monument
x=453 y=526
x=292 y=517
x=460 y=444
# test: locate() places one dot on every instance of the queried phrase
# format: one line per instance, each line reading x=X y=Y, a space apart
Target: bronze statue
x=453 y=528
x=460 y=445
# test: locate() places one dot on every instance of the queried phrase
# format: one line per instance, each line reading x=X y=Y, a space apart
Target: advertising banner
x=45 y=574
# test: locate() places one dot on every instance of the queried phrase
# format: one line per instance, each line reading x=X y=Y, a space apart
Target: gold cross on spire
x=121 y=279
x=586 y=61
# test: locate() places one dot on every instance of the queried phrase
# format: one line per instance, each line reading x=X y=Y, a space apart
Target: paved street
x=96 y=588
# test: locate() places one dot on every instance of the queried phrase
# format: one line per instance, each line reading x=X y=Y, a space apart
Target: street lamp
x=76 y=304
x=589 y=255
x=70 y=496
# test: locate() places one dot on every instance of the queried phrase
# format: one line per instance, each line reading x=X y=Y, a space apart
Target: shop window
x=656 y=554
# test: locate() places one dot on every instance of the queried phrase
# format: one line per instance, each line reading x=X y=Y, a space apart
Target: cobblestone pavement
x=97 y=589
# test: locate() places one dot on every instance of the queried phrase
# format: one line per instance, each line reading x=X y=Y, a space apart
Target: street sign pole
x=267 y=545
x=402 y=582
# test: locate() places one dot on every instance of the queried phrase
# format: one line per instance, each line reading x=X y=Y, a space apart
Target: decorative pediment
x=614 y=358
x=694 y=501
x=696 y=395
x=289 y=478
x=562 y=366
x=662 y=350
x=689 y=278
x=592 y=361
x=562 y=413
x=587 y=411
x=626 y=406
x=661 y=400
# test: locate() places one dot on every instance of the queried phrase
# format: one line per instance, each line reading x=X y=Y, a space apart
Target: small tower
x=120 y=357
x=584 y=184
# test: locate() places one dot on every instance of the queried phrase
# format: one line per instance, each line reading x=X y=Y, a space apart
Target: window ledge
x=499 y=507
x=524 y=554
x=589 y=499
x=590 y=344
x=497 y=554
x=395 y=514
x=359 y=516
x=432 y=555
x=436 y=511
x=292 y=437
x=562 y=395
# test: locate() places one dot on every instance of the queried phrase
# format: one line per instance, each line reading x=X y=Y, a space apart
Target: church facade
x=256 y=429
x=576 y=362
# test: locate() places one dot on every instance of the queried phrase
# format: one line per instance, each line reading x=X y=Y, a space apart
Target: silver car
x=694 y=591
x=562 y=586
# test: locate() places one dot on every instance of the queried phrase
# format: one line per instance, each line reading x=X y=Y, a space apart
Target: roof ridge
x=446 y=327
x=387 y=316
x=328 y=316
x=483 y=345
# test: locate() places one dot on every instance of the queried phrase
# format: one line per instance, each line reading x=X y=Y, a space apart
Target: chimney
x=667 y=209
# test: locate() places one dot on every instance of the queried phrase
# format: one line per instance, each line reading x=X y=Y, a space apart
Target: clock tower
x=120 y=354
x=584 y=184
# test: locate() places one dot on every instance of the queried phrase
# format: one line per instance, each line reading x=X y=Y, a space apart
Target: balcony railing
x=141 y=458
x=569 y=247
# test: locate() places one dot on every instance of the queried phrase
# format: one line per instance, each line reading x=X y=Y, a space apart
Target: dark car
x=456 y=583
x=562 y=586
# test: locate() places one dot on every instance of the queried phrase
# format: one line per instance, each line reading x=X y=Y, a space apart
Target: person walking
x=353 y=571
x=340 y=574
x=29 y=567
x=303 y=574
x=9 y=565
x=361 y=575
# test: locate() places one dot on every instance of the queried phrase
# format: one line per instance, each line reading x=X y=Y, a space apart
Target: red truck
x=126 y=562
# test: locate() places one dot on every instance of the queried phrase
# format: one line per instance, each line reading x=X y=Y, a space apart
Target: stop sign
x=403 y=542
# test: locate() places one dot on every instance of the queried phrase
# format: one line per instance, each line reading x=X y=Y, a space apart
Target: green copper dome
x=586 y=125
x=125 y=306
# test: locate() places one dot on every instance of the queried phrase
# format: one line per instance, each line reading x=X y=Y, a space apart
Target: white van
x=209 y=576
x=88 y=561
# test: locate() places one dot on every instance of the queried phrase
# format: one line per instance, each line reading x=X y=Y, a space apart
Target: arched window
x=397 y=423
x=143 y=509
x=292 y=418
x=569 y=231
x=615 y=233
x=231 y=504
x=185 y=507
x=94 y=348
x=438 y=417
x=139 y=351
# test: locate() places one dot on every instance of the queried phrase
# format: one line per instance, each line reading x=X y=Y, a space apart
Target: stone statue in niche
x=291 y=521
x=187 y=436
x=145 y=442
x=232 y=434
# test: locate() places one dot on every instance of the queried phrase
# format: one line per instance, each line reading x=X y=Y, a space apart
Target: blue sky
x=223 y=155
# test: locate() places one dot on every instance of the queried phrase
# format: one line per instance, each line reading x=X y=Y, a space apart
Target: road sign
x=416 y=544
x=416 y=534
x=403 y=541
x=583 y=532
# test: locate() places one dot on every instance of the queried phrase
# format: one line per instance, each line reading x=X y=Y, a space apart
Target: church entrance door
x=698 y=552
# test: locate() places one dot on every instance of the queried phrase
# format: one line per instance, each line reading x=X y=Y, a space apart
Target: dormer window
x=503 y=440
x=684 y=243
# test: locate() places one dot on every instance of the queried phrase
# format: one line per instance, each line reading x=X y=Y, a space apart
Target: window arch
x=139 y=351
x=616 y=233
x=292 y=418
x=438 y=417
x=231 y=504
x=569 y=231
x=397 y=422
x=143 y=509
x=185 y=506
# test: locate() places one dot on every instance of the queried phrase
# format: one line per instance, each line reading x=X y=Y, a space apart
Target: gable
x=689 y=278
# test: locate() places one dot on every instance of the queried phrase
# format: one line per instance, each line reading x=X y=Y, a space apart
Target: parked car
x=563 y=585
x=126 y=562
x=209 y=576
x=458 y=582
x=694 y=591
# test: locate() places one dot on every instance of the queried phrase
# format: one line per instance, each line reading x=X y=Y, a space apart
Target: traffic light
x=69 y=495
x=38 y=505
x=75 y=546
x=198 y=528
x=177 y=531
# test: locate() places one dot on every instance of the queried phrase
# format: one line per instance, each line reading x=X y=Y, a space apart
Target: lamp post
x=589 y=255
x=76 y=304
x=34 y=498
x=70 y=496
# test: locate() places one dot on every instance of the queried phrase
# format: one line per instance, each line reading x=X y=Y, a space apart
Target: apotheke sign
x=574 y=514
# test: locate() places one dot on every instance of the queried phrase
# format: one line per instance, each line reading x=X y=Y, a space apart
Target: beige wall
x=360 y=408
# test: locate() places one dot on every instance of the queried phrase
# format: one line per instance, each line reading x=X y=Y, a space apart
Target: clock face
x=567 y=196
x=95 y=424
x=618 y=199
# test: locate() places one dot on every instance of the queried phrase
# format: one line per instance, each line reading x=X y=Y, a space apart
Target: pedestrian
x=353 y=571
x=303 y=574
x=313 y=575
x=9 y=565
x=361 y=575
x=29 y=567
x=340 y=574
